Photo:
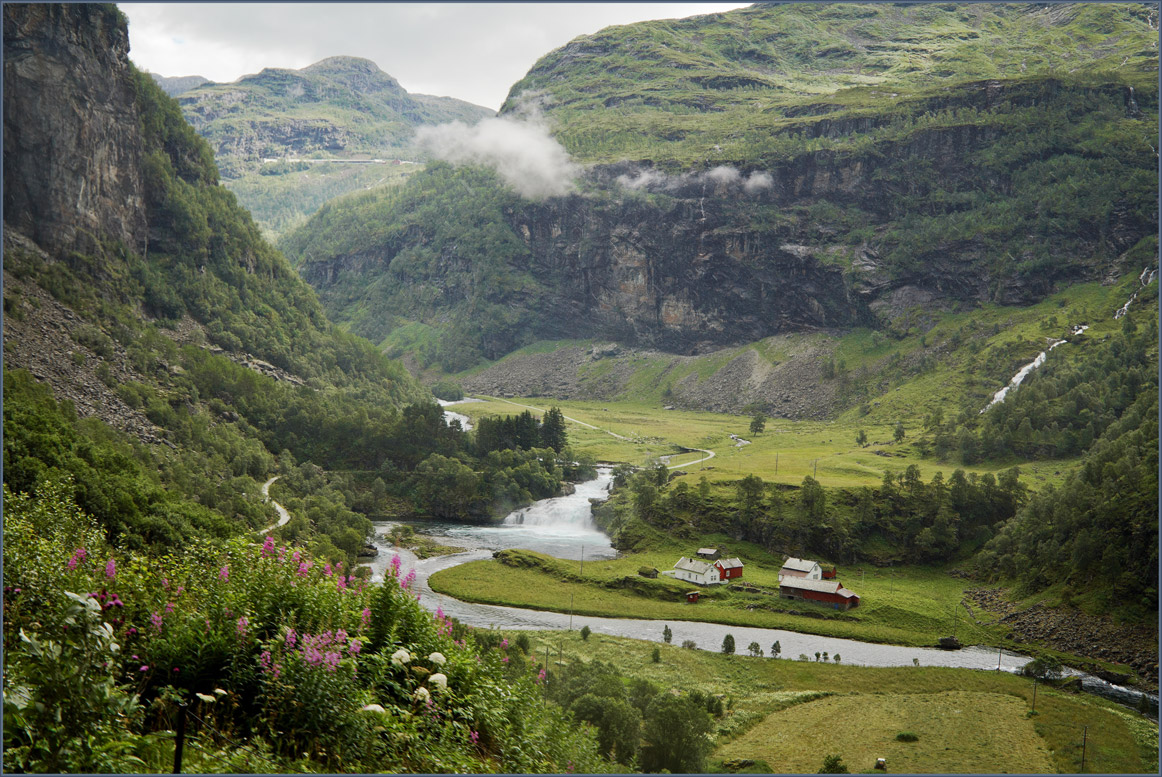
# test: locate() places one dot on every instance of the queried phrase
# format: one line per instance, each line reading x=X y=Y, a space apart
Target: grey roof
x=821 y=586
x=799 y=564
x=690 y=565
x=707 y=551
x=729 y=563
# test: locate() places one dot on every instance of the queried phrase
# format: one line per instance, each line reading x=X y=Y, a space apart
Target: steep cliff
x=72 y=145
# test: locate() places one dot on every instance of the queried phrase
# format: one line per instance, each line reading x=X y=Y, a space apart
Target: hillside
x=175 y=85
x=905 y=169
x=341 y=108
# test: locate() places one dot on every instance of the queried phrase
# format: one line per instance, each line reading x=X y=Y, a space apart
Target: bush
x=1044 y=668
x=657 y=656
x=585 y=632
x=833 y=764
x=906 y=736
x=689 y=644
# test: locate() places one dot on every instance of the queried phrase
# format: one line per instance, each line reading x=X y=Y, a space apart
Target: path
x=283 y=515
x=709 y=454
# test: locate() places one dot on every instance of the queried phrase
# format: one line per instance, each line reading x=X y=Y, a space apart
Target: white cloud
x=520 y=150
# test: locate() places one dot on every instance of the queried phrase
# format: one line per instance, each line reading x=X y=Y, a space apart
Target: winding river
x=563 y=527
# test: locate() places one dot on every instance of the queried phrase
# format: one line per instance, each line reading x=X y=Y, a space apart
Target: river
x=563 y=527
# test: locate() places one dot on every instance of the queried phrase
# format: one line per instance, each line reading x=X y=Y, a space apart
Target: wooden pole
x=181 y=739
x=1034 y=694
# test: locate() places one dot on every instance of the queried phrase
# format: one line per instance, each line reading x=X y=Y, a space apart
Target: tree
x=758 y=423
x=754 y=649
x=728 y=644
x=667 y=635
x=674 y=735
x=817 y=655
x=776 y=649
x=833 y=764
x=553 y=433
x=585 y=632
x=861 y=438
x=899 y=433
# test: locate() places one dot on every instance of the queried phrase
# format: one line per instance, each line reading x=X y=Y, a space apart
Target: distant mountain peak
x=343 y=64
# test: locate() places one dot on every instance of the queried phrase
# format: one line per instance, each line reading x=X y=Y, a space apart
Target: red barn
x=827 y=592
x=729 y=568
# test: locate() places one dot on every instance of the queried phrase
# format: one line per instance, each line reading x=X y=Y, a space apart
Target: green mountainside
x=175 y=85
x=717 y=212
x=341 y=108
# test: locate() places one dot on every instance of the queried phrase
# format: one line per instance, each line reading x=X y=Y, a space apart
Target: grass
x=861 y=709
x=959 y=731
x=905 y=606
x=786 y=452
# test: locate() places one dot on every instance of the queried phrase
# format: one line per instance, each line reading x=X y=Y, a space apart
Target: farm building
x=709 y=554
x=827 y=592
x=729 y=568
x=694 y=572
x=801 y=567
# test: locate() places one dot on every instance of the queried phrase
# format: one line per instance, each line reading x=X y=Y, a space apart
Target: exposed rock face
x=72 y=147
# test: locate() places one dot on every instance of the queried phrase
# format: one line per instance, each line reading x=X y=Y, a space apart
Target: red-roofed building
x=827 y=592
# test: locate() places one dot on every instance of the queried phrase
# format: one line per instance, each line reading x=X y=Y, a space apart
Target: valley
x=349 y=429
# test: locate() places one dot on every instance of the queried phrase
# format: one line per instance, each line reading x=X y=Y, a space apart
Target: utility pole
x=999 y=659
x=1034 y=694
x=582 y=559
x=181 y=737
x=570 y=612
x=1084 y=733
x=816 y=472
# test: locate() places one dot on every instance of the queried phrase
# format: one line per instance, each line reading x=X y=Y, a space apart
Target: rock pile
x=1072 y=631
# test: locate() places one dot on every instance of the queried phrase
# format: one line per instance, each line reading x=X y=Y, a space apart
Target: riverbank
x=909 y=606
x=965 y=721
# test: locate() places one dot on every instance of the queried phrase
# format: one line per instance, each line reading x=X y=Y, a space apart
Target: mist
x=520 y=149
x=721 y=179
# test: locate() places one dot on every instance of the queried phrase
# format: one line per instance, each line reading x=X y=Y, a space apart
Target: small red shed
x=729 y=568
x=692 y=597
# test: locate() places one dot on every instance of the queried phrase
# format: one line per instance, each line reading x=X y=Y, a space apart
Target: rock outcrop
x=72 y=145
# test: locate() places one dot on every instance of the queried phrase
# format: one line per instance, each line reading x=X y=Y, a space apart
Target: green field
x=785 y=453
x=792 y=714
x=904 y=606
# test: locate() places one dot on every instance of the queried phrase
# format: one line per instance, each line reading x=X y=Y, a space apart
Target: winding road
x=283 y=515
x=709 y=454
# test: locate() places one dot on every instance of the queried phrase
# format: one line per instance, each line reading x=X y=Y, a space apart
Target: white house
x=692 y=571
x=800 y=567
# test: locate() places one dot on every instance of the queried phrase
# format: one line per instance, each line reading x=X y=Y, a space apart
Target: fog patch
x=722 y=179
x=518 y=147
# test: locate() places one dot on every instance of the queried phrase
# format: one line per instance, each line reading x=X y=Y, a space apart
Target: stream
x=563 y=527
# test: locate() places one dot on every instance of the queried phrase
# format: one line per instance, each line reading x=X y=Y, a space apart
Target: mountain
x=341 y=108
x=175 y=85
x=780 y=169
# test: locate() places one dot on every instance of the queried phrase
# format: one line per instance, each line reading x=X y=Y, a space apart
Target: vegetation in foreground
x=105 y=650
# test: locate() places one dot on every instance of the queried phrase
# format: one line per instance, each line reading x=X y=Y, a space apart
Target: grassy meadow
x=792 y=714
x=904 y=606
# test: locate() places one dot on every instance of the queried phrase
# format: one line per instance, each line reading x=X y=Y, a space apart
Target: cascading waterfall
x=566 y=514
x=1028 y=368
x=1145 y=279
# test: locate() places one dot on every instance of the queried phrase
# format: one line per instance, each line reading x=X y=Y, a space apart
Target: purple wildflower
x=242 y=624
x=473 y=736
x=168 y=608
x=354 y=647
x=303 y=567
x=395 y=565
x=224 y=572
x=290 y=638
x=155 y=619
x=268 y=547
x=327 y=569
x=110 y=568
x=144 y=668
x=365 y=616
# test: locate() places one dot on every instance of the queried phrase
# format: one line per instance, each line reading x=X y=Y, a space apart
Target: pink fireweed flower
x=327 y=569
x=365 y=616
x=408 y=579
x=331 y=660
x=395 y=566
x=277 y=670
x=303 y=567
x=439 y=613
x=291 y=637
x=354 y=647
x=473 y=736
x=165 y=582
x=505 y=659
x=224 y=572
x=541 y=676
x=168 y=608
x=282 y=553
x=242 y=624
x=341 y=583
x=155 y=619
x=111 y=568
x=267 y=547
x=341 y=636
x=181 y=589
x=297 y=556
x=144 y=668
x=504 y=643
x=78 y=556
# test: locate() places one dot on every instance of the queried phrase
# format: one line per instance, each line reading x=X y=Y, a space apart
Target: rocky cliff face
x=72 y=146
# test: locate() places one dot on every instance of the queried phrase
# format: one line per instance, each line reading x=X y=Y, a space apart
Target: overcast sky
x=473 y=51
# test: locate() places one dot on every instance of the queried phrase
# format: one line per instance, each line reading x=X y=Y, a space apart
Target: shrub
x=585 y=632
x=657 y=656
x=689 y=644
x=728 y=644
x=906 y=736
x=833 y=764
